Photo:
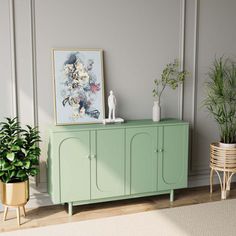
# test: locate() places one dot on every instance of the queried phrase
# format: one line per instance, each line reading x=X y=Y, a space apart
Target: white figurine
x=112 y=106
x=112 y=111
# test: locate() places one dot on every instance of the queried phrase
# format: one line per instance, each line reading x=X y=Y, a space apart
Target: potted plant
x=19 y=159
x=221 y=99
x=170 y=77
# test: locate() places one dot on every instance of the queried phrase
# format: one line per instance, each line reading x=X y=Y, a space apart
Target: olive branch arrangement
x=170 y=77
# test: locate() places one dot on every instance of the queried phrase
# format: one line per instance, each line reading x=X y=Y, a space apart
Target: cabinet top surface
x=126 y=124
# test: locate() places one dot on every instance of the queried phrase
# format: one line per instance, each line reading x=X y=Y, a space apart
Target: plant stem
x=163 y=87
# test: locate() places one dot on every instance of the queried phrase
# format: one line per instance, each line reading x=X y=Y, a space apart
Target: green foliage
x=19 y=153
x=221 y=97
x=171 y=76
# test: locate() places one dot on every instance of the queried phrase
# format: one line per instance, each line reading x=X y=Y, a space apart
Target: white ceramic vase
x=156 y=111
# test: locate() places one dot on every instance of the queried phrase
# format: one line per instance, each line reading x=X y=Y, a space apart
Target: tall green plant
x=19 y=153
x=221 y=97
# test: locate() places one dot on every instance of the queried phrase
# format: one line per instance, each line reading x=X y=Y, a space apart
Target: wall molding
x=34 y=61
x=34 y=69
x=195 y=75
x=182 y=55
x=13 y=58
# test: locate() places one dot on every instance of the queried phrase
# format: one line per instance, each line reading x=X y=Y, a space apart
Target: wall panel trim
x=13 y=59
x=34 y=62
x=182 y=53
x=194 y=76
x=34 y=69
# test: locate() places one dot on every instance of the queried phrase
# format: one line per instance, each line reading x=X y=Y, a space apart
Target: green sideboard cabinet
x=97 y=163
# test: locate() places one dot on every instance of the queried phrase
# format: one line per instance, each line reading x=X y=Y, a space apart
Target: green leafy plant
x=171 y=76
x=19 y=153
x=221 y=97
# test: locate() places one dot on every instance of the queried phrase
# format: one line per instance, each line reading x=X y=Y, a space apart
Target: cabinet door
x=173 y=157
x=74 y=166
x=141 y=144
x=108 y=163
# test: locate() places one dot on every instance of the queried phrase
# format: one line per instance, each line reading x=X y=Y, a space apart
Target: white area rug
x=216 y=218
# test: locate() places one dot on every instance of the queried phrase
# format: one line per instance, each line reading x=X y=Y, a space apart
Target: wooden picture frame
x=78 y=86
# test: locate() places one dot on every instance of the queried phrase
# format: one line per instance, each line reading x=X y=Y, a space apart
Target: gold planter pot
x=14 y=194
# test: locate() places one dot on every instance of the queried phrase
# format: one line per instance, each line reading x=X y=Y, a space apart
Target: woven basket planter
x=222 y=160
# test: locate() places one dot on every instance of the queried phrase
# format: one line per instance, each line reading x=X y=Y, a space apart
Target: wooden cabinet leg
x=18 y=215
x=171 y=195
x=5 y=213
x=70 y=208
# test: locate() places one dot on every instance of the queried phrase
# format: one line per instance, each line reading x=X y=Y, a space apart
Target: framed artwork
x=78 y=86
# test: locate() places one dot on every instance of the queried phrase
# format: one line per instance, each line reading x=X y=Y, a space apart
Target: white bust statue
x=112 y=106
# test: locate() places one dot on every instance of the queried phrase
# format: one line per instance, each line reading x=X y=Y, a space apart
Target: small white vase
x=156 y=111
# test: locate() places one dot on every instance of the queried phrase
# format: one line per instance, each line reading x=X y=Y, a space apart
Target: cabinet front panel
x=108 y=163
x=141 y=146
x=172 y=172
x=74 y=166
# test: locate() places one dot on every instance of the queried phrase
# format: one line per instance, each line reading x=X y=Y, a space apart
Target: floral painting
x=78 y=80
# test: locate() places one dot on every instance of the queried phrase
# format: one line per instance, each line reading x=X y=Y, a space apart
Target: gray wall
x=138 y=37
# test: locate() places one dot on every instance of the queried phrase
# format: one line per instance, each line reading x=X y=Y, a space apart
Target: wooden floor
x=57 y=214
